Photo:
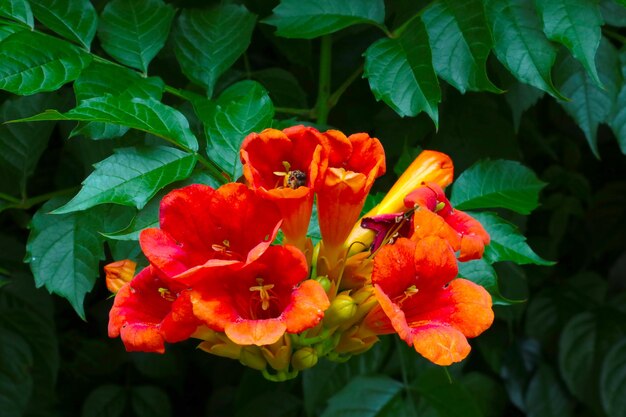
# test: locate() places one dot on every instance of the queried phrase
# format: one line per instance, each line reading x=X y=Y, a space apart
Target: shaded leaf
x=131 y=177
x=520 y=44
x=32 y=62
x=507 y=243
x=545 y=396
x=16 y=381
x=306 y=20
x=75 y=20
x=7 y=30
x=490 y=184
x=575 y=24
x=617 y=120
x=481 y=273
x=147 y=401
x=105 y=401
x=207 y=42
x=449 y=398
x=400 y=72
x=18 y=10
x=134 y=31
x=613 y=380
x=613 y=13
x=64 y=252
x=243 y=108
x=21 y=145
x=460 y=43
x=521 y=97
x=590 y=105
x=282 y=86
x=363 y=396
x=148 y=115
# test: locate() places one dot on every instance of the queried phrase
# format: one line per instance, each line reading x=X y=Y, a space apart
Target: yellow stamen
x=264 y=294
x=410 y=291
x=166 y=294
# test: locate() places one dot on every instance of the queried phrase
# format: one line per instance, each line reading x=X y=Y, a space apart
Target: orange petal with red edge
x=473 y=313
x=306 y=308
x=255 y=332
x=440 y=344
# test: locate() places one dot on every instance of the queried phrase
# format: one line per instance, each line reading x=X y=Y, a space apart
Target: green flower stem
x=9 y=198
x=322 y=108
x=334 y=97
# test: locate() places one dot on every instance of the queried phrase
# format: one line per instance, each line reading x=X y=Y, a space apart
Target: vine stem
x=322 y=106
x=29 y=202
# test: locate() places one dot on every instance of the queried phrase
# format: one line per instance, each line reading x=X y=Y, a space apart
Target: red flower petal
x=306 y=307
x=394 y=267
x=256 y=332
x=473 y=313
x=442 y=345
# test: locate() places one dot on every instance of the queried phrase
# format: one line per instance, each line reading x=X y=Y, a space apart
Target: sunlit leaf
x=75 y=20
x=310 y=19
x=207 y=42
x=32 y=62
x=507 y=243
x=131 y=176
x=490 y=184
x=575 y=24
x=64 y=252
x=149 y=115
x=520 y=44
x=400 y=72
x=460 y=43
x=18 y=10
x=243 y=108
x=365 y=396
x=134 y=31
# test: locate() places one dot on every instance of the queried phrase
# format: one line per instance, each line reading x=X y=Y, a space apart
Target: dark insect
x=295 y=179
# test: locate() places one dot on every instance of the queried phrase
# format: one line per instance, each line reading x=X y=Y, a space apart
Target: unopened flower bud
x=342 y=308
x=304 y=358
x=324 y=282
x=279 y=353
x=252 y=357
x=119 y=273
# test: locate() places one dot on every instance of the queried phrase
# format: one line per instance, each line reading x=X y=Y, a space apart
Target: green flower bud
x=342 y=308
x=252 y=357
x=304 y=358
x=325 y=282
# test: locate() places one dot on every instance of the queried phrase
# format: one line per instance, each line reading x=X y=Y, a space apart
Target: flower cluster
x=217 y=272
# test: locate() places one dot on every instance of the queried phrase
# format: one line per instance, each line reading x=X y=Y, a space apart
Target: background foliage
x=135 y=97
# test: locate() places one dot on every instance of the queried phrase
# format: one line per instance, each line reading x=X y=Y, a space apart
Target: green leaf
x=521 y=97
x=519 y=42
x=105 y=401
x=577 y=352
x=400 y=72
x=64 y=252
x=449 y=398
x=16 y=381
x=134 y=31
x=507 y=243
x=590 y=105
x=617 y=120
x=283 y=87
x=490 y=184
x=487 y=392
x=149 y=401
x=310 y=19
x=7 y=30
x=21 y=145
x=131 y=177
x=482 y=273
x=575 y=24
x=545 y=396
x=18 y=10
x=32 y=62
x=613 y=380
x=148 y=115
x=363 y=396
x=75 y=20
x=460 y=43
x=613 y=13
x=243 y=108
x=207 y=42
x=100 y=79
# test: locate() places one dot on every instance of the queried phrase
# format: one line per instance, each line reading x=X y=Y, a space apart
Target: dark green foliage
x=132 y=98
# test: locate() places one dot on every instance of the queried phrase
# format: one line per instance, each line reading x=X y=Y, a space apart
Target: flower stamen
x=264 y=294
